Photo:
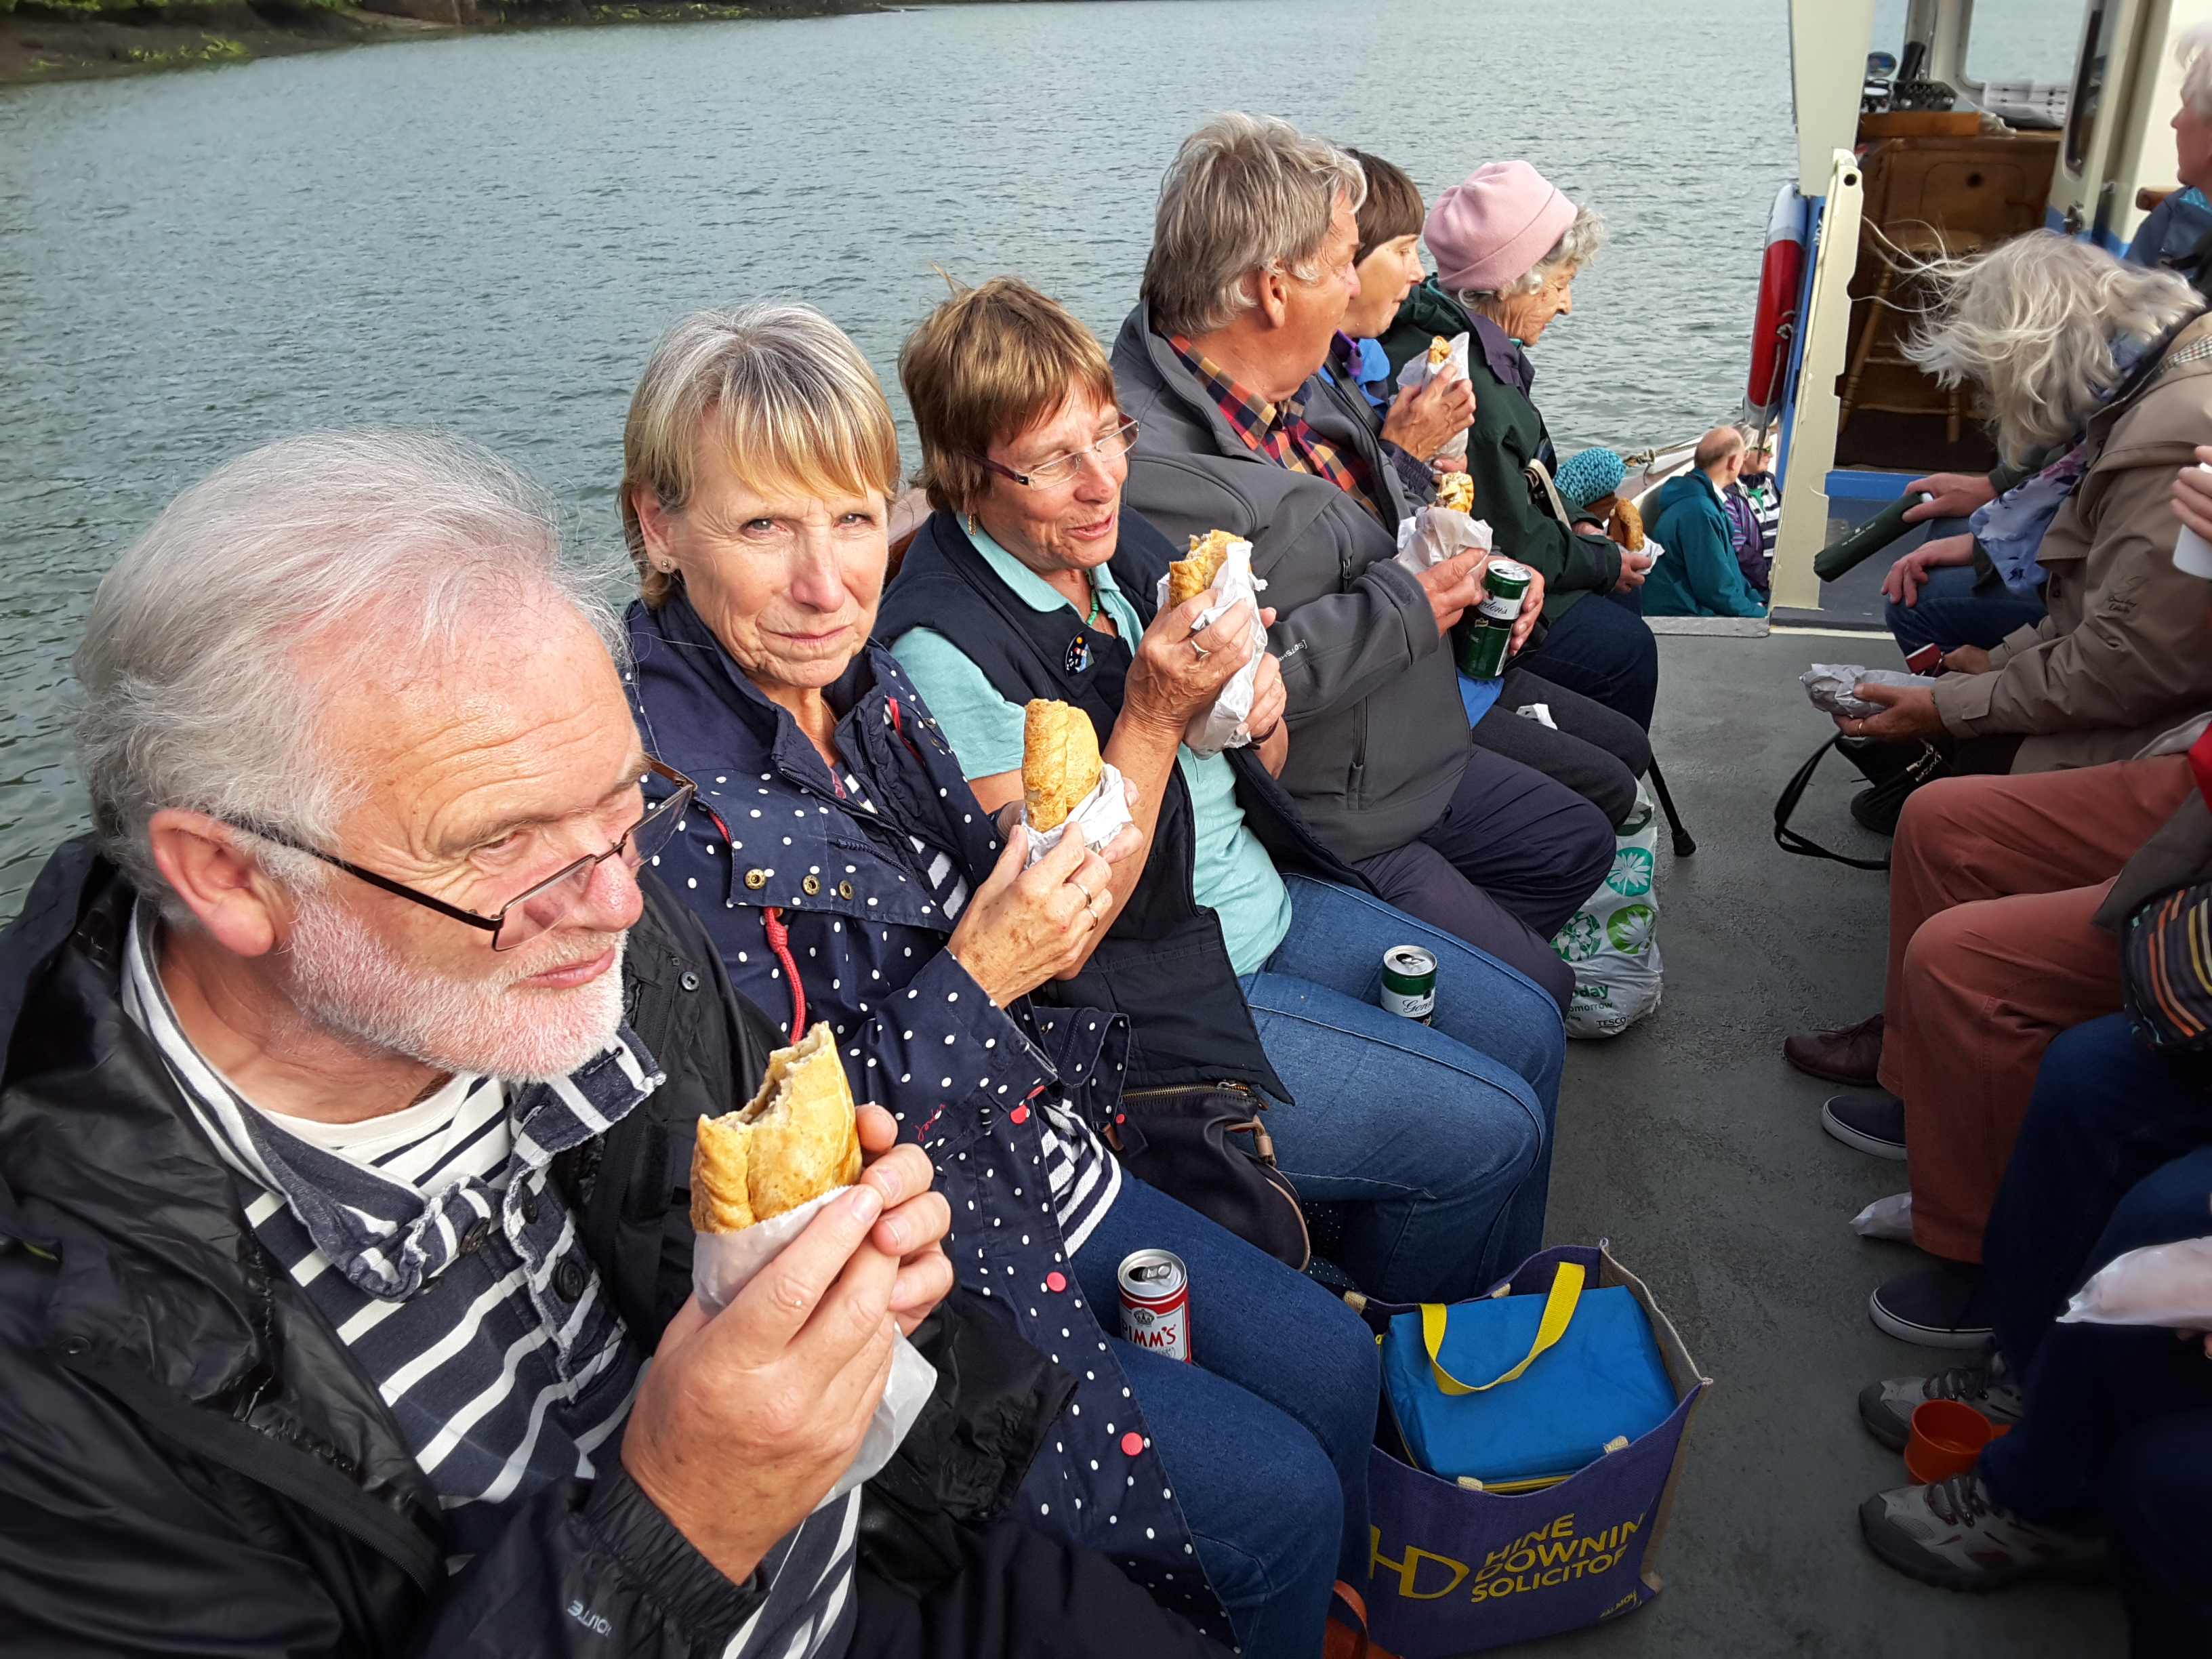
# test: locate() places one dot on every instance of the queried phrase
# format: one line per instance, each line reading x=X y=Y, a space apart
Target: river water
x=487 y=234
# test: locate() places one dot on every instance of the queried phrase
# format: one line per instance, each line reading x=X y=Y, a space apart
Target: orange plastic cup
x=1947 y=1437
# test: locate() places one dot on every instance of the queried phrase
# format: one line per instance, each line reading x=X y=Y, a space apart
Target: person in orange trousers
x=1993 y=881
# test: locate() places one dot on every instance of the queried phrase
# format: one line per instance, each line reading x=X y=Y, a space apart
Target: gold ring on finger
x=1081 y=889
x=1203 y=654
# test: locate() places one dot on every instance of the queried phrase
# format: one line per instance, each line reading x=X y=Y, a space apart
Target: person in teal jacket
x=1697 y=575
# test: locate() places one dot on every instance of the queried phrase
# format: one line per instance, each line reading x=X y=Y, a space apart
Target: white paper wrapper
x=1098 y=818
x=2160 y=1284
x=1829 y=686
x=1416 y=372
x=722 y=1264
x=1436 y=534
x=1886 y=1217
x=1652 y=549
x=1538 y=712
x=1222 y=727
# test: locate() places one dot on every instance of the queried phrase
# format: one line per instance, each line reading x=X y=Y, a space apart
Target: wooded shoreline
x=95 y=40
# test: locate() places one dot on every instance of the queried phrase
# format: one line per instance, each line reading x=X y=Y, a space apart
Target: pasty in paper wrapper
x=759 y=1175
x=1444 y=359
x=1437 y=534
x=1065 y=785
x=1626 y=525
x=1829 y=686
x=1455 y=493
x=1227 y=564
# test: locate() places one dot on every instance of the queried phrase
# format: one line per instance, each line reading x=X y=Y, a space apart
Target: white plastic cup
x=2192 y=554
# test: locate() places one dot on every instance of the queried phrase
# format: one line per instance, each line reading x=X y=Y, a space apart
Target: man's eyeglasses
x=545 y=906
x=1061 y=468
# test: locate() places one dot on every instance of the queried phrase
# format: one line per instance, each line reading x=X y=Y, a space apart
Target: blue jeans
x=1265 y=1431
x=1606 y=652
x=1950 y=613
x=1438 y=1137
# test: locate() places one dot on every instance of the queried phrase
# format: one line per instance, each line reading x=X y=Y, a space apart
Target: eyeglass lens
x=1115 y=444
x=545 y=906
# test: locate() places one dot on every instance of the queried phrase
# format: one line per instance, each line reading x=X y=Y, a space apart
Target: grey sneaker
x=1987 y=1385
x=1868 y=1122
x=1954 y=1534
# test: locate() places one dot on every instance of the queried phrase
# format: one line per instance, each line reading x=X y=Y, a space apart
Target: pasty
x=1455 y=491
x=1060 y=762
x=797 y=1139
x=1626 y=525
x=1188 y=578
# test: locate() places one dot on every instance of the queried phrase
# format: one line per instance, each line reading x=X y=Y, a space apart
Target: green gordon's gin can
x=1409 y=982
x=1490 y=625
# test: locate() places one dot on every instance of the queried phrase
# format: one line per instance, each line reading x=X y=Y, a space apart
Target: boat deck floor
x=1690 y=1144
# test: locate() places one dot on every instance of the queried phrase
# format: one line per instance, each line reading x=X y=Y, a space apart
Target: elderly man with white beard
x=351 y=1067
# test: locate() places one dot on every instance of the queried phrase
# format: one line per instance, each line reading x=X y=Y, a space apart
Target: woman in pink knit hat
x=1507 y=245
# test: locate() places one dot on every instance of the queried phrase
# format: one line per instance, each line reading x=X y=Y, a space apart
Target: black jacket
x=1163 y=963
x=191 y=1462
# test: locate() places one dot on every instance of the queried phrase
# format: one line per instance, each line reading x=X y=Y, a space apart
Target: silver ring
x=1203 y=654
x=1081 y=889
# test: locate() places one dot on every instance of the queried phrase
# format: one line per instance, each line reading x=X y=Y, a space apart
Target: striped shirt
x=1083 y=1178
x=1279 y=431
x=451 y=1269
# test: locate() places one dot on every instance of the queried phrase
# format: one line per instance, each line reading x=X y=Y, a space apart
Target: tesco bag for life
x=1611 y=942
x=1434 y=534
x=723 y=1264
x=1098 y=818
x=1417 y=372
x=1222 y=727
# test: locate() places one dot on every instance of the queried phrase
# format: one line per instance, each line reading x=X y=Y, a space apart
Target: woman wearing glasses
x=848 y=875
x=1032 y=580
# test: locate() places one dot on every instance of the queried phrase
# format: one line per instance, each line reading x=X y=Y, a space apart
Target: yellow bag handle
x=1559 y=1308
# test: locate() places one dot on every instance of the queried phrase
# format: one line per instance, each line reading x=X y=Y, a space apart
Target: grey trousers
x=1596 y=752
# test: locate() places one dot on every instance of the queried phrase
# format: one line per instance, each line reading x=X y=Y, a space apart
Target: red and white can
x=1156 y=1301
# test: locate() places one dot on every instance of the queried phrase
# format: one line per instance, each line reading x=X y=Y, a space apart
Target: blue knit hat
x=1590 y=476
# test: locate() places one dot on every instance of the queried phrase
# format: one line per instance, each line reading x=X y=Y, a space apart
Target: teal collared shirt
x=1231 y=871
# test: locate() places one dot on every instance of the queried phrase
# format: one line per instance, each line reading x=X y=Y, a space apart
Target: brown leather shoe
x=1852 y=1054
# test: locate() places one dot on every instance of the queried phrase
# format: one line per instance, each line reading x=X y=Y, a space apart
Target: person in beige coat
x=2107 y=367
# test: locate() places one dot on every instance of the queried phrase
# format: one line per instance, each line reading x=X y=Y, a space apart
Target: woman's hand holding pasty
x=1423 y=419
x=1025 y=926
x=1169 y=681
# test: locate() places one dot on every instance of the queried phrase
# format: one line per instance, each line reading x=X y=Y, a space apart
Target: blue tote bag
x=1563 y=1378
x=1456 y=1567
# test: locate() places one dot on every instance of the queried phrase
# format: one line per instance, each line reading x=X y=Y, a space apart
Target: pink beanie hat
x=1494 y=225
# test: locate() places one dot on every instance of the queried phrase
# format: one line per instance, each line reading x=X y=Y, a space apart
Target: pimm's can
x=1409 y=982
x=1490 y=625
x=1156 y=1301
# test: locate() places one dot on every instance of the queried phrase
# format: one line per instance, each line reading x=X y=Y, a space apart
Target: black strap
x=1788 y=840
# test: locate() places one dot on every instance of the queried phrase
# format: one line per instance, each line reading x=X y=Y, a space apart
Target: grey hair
x=379 y=548
x=1577 y=246
x=2033 y=323
x=1244 y=193
x=2192 y=49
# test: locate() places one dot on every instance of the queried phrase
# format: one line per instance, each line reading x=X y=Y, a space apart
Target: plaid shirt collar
x=1278 y=430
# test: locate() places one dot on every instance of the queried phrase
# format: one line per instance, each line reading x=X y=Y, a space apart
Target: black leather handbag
x=1893 y=771
x=1204 y=1145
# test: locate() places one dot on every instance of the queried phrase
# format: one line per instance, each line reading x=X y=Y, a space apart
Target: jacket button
x=569 y=1279
x=755 y=879
x=844 y=889
x=529 y=1205
x=689 y=981
x=473 y=1239
x=810 y=886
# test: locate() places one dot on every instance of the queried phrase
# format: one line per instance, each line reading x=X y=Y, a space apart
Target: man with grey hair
x=1250 y=272
x=351 y=1069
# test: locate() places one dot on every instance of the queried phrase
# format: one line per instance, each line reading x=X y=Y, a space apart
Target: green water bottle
x=1490 y=625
